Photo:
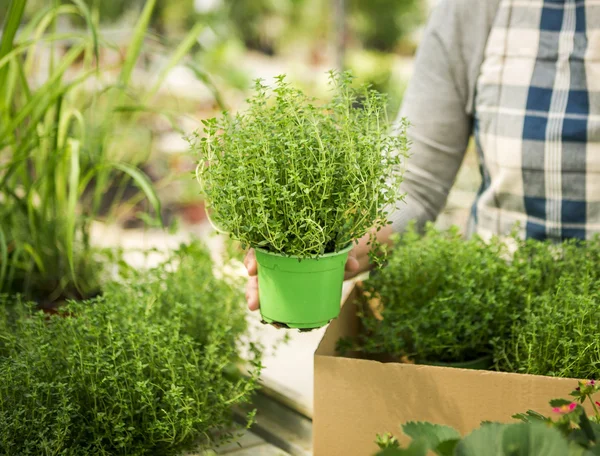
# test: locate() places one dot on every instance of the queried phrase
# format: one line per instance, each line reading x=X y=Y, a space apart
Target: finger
x=252 y=293
x=250 y=263
x=352 y=266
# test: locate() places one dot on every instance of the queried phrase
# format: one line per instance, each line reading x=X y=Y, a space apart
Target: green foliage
x=573 y=433
x=554 y=335
x=382 y=24
x=60 y=148
x=443 y=299
x=147 y=369
x=493 y=439
x=534 y=309
x=298 y=178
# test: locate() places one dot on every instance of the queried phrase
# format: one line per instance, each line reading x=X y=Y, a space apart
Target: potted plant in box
x=299 y=182
x=440 y=300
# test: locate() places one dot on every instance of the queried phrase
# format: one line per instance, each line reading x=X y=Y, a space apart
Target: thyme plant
x=147 y=369
x=295 y=177
x=443 y=299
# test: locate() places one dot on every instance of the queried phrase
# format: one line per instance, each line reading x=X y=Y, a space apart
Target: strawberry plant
x=571 y=432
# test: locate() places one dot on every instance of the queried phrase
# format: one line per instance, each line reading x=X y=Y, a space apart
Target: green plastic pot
x=300 y=293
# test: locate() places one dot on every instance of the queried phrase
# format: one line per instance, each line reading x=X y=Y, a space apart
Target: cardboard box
x=355 y=399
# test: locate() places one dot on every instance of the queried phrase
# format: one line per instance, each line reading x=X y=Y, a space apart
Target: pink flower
x=591 y=383
x=564 y=409
x=598 y=403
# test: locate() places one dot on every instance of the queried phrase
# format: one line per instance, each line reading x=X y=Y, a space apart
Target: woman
x=523 y=78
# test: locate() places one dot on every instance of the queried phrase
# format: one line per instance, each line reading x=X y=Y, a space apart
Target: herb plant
x=535 y=309
x=441 y=299
x=147 y=369
x=295 y=177
x=556 y=334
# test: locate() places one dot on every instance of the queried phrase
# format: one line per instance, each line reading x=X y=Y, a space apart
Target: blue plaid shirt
x=537 y=120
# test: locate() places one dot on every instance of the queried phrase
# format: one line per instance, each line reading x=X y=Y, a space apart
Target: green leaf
x=522 y=439
x=9 y=30
x=73 y=198
x=433 y=434
x=418 y=447
x=3 y=257
x=143 y=183
x=586 y=426
x=176 y=56
x=206 y=79
x=447 y=447
x=135 y=46
x=559 y=402
x=90 y=25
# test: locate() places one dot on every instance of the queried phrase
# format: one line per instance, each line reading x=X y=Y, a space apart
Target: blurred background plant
x=71 y=145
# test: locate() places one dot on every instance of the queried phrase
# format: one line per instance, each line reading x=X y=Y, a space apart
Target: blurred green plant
x=383 y=24
x=60 y=130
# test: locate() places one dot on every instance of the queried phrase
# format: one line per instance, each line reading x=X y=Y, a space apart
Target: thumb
x=352 y=264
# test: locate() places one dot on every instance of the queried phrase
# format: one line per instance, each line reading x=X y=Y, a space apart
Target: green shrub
x=560 y=291
x=147 y=369
x=557 y=333
x=443 y=299
x=298 y=178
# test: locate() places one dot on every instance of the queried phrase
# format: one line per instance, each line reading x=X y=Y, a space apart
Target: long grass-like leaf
x=87 y=15
x=34 y=256
x=135 y=47
x=71 y=215
x=143 y=183
x=3 y=257
x=38 y=105
x=203 y=76
x=182 y=50
x=11 y=26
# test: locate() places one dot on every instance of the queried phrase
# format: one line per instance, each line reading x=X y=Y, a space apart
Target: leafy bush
x=147 y=369
x=556 y=334
x=442 y=299
x=572 y=434
x=296 y=178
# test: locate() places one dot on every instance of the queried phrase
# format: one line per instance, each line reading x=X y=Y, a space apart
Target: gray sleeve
x=438 y=105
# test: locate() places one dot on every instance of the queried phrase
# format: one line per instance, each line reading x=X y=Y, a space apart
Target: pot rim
x=325 y=255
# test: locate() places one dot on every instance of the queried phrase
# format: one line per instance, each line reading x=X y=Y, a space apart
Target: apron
x=537 y=121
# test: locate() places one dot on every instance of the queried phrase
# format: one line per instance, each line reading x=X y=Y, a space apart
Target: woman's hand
x=358 y=262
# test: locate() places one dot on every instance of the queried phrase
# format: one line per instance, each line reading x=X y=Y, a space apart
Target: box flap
x=346 y=325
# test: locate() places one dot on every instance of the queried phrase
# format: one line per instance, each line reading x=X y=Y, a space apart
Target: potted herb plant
x=440 y=300
x=300 y=181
